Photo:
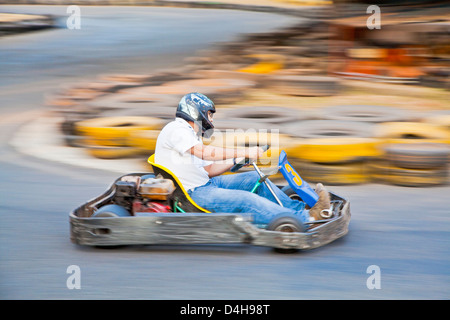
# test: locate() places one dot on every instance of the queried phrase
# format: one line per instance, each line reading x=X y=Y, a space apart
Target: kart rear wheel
x=111 y=210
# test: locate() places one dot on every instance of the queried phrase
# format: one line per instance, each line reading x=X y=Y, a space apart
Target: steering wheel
x=246 y=161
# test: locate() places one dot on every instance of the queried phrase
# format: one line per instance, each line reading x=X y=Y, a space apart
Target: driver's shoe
x=323 y=203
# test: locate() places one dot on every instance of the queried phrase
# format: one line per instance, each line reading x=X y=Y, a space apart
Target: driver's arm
x=212 y=153
x=216 y=169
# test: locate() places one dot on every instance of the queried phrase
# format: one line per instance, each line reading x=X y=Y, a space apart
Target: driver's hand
x=239 y=160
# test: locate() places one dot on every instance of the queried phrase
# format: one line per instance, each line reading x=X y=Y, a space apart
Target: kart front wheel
x=285 y=224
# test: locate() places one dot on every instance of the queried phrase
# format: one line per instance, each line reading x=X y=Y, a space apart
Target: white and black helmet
x=195 y=107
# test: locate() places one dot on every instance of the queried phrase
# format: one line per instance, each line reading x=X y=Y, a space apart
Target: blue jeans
x=231 y=194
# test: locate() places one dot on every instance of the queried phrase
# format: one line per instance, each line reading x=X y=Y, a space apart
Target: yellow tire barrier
x=333 y=174
x=109 y=152
x=411 y=132
x=336 y=150
x=268 y=63
x=114 y=131
x=329 y=141
x=143 y=139
x=383 y=171
x=418 y=155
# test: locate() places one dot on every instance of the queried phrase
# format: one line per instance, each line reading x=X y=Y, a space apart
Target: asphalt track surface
x=405 y=232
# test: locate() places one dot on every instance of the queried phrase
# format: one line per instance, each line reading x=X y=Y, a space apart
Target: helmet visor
x=207 y=125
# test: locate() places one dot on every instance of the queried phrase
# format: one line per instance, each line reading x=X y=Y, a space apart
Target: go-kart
x=154 y=208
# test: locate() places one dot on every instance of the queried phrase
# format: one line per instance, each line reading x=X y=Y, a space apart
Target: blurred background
x=356 y=92
x=352 y=102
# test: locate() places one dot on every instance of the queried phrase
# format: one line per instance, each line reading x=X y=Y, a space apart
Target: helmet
x=195 y=107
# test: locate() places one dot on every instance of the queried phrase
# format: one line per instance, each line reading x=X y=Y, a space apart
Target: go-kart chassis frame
x=197 y=228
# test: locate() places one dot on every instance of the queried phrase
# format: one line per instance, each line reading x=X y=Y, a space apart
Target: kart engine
x=144 y=194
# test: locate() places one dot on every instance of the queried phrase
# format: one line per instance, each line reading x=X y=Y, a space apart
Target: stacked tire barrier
x=333 y=152
x=118 y=137
x=343 y=145
x=119 y=116
x=413 y=165
x=356 y=144
x=414 y=153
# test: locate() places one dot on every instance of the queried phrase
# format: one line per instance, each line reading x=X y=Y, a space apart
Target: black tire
x=418 y=155
x=285 y=224
x=111 y=211
x=363 y=113
x=385 y=172
x=264 y=114
x=291 y=193
x=330 y=129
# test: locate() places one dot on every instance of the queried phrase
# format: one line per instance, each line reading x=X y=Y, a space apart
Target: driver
x=199 y=168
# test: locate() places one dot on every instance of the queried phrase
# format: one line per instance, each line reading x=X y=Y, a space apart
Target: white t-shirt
x=173 y=142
